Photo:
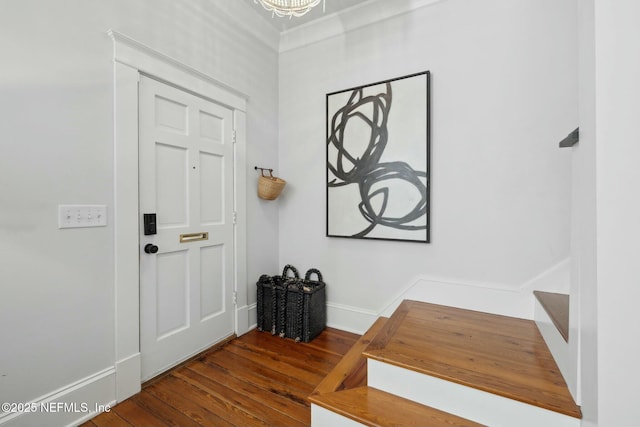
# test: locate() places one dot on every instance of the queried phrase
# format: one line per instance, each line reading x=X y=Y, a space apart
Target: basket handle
x=265 y=278
x=288 y=268
x=270 y=172
x=312 y=271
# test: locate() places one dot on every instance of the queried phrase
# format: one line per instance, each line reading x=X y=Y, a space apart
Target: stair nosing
x=388 y=398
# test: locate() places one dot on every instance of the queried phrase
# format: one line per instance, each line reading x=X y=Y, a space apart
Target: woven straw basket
x=270 y=187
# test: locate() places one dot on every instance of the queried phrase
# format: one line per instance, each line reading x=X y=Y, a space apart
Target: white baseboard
x=507 y=300
x=243 y=318
x=350 y=319
x=470 y=296
x=70 y=405
x=514 y=300
x=252 y=318
x=128 y=377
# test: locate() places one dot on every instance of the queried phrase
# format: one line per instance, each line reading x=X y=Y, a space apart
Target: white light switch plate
x=77 y=216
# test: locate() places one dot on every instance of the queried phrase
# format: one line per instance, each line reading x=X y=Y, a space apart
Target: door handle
x=150 y=248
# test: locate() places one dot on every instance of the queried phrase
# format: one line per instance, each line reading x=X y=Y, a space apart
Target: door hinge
x=235 y=298
x=234 y=136
x=235 y=217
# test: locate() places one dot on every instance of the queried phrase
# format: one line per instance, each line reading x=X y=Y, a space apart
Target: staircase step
x=557 y=307
x=373 y=407
x=495 y=354
x=351 y=371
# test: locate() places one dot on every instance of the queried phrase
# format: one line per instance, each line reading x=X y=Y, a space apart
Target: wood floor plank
x=186 y=402
x=262 y=375
x=136 y=415
x=301 y=354
x=168 y=414
x=236 y=399
x=110 y=419
x=334 y=341
x=234 y=414
x=294 y=355
x=261 y=397
x=256 y=379
x=275 y=361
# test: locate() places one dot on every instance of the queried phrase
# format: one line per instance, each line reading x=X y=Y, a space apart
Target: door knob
x=150 y=248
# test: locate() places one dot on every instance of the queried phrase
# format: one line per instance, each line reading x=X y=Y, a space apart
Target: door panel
x=172 y=292
x=172 y=185
x=211 y=274
x=211 y=188
x=170 y=115
x=186 y=178
x=211 y=127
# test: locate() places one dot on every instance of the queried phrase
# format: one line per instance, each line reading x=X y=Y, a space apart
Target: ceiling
x=283 y=24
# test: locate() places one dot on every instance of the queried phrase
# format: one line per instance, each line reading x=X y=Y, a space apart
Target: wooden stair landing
x=496 y=354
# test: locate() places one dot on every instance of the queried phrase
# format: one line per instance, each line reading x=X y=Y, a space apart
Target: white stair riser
x=466 y=402
x=321 y=417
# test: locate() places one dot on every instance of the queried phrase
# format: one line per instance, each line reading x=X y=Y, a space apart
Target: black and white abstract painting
x=378 y=160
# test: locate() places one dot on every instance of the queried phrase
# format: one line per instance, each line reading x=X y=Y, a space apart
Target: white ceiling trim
x=347 y=20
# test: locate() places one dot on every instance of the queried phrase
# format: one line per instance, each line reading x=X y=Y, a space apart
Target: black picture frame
x=378 y=160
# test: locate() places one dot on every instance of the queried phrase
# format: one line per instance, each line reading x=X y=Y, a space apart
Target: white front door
x=186 y=179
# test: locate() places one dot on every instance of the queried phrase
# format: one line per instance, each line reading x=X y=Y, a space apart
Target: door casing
x=131 y=59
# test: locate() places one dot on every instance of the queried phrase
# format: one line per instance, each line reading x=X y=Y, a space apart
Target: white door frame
x=131 y=59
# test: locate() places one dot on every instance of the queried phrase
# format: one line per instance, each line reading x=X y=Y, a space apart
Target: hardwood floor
x=255 y=380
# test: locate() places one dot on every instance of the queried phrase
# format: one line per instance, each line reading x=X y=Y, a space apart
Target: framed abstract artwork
x=378 y=156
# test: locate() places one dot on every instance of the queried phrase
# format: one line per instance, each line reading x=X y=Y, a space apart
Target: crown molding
x=146 y=60
x=347 y=20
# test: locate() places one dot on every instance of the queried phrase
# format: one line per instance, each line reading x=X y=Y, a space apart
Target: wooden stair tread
x=351 y=371
x=497 y=354
x=557 y=307
x=373 y=407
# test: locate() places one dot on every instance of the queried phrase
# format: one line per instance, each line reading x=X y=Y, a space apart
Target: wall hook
x=571 y=139
x=264 y=169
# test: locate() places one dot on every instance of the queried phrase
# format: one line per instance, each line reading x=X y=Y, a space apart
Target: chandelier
x=289 y=7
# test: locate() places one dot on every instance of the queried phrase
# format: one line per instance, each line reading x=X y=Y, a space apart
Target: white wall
x=617 y=44
x=605 y=214
x=57 y=302
x=504 y=93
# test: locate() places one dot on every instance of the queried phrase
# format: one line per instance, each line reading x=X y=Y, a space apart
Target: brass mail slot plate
x=193 y=237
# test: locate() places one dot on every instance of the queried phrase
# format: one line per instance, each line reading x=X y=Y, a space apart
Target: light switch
x=77 y=216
